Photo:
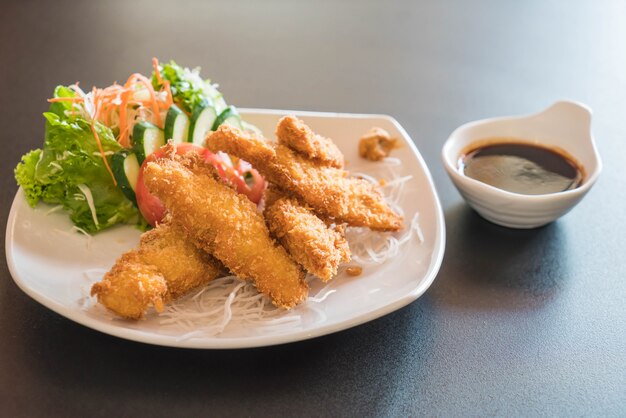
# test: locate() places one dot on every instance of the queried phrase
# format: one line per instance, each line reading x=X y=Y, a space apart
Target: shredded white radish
x=53 y=209
x=56 y=165
x=321 y=295
x=82 y=231
x=392 y=161
x=86 y=234
x=87 y=192
x=74 y=229
x=65 y=154
x=227 y=301
x=62 y=232
x=369 y=247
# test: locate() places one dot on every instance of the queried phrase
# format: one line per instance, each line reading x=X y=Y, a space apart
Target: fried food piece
x=309 y=241
x=131 y=287
x=164 y=267
x=271 y=194
x=327 y=190
x=226 y=224
x=376 y=144
x=184 y=266
x=293 y=133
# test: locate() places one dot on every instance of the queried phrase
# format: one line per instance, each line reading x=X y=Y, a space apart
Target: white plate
x=52 y=265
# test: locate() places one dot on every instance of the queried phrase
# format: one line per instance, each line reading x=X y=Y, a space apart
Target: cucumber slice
x=147 y=138
x=229 y=116
x=176 y=125
x=202 y=120
x=125 y=169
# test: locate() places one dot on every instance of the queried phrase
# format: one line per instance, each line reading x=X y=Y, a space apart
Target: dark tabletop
x=517 y=323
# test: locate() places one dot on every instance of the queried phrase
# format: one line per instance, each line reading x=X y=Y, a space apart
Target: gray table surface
x=517 y=323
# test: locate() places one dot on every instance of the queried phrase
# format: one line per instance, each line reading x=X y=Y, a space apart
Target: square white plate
x=52 y=265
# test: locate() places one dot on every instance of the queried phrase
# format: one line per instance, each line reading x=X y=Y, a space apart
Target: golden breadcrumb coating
x=131 y=287
x=293 y=133
x=184 y=266
x=327 y=190
x=164 y=267
x=317 y=247
x=225 y=224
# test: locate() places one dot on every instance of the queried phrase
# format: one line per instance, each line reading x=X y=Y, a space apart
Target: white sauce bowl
x=565 y=125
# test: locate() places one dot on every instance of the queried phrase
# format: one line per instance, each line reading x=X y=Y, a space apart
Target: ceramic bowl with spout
x=565 y=125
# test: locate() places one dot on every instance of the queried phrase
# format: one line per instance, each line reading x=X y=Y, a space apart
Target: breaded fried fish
x=184 y=266
x=293 y=133
x=226 y=224
x=328 y=190
x=131 y=287
x=165 y=266
x=317 y=247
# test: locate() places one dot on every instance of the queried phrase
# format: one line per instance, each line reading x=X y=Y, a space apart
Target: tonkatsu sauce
x=521 y=167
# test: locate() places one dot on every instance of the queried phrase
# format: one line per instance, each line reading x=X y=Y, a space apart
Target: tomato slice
x=235 y=176
x=149 y=205
x=254 y=192
x=153 y=209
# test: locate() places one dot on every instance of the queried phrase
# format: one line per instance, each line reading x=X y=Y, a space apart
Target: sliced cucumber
x=202 y=120
x=125 y=168
x=176 y=125
x=229 y=116
x=147 y=138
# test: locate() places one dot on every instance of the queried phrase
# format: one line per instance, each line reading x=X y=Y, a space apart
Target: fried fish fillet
x=184 y=266
x=310 y=242
x=164 y=267
x=131 y=287
x=326 y=189
x=227 y=225
x=293 y=133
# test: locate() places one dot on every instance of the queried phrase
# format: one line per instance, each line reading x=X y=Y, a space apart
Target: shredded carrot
x=155 y=65
x=96 y=103
x=65 y=99
x=118 y=98
x=165 y=84
x=104 y=158
x=168 y=89
x=148 y=85
x=97 y=106
x=123 y=137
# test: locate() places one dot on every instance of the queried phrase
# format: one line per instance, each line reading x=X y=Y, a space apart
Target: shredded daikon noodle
x=229 y=303
x=75 y=229
x=53 y=209
x=87 y=192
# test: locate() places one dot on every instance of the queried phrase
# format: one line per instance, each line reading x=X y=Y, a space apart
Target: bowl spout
x=573 y=119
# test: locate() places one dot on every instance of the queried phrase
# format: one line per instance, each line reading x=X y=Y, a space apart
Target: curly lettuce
x=70 y=171
x=189 y=90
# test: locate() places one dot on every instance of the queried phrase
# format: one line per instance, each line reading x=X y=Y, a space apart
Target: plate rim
x=259 y=340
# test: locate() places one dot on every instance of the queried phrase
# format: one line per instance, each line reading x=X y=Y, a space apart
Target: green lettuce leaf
x=70 y=171
x=189 y=90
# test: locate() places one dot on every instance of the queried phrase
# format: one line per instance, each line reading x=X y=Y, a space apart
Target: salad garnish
x=95 y=142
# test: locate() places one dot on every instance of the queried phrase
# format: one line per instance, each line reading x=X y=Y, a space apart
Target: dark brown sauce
x=520 y=167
